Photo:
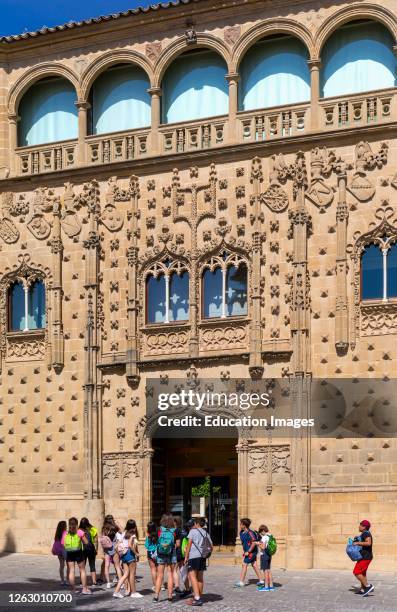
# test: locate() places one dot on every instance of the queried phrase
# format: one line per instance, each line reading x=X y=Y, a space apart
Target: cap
x=365 y=524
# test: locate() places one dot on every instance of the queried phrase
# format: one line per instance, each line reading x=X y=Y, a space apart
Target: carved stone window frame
x=214 y=260
x=384 y=235
x=25 y=273
x=155 y=268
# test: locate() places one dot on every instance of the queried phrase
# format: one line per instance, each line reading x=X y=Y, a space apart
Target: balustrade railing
x=273 y=123
x=193 y=136
x=46 y=158
x=358 y=110
x=117 y=147
x=251 y=126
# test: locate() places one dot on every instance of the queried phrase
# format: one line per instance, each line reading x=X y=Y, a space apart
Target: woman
x=127 y=549
x=90 y=551
x=73 y=540
x=179 y=535
x=151 y=548
x=166 y=555
x=59 y=550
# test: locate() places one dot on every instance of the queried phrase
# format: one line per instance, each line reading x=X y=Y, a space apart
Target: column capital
x=314 y=63
x=14 y=117
x=155 y=91
x=232 y=77
x=82 y=105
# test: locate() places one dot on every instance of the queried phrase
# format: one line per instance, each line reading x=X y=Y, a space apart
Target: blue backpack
x=354 y=552
x=166 y=542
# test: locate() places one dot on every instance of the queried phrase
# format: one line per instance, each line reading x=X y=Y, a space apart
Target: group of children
x=255 y=543
x=174 y=552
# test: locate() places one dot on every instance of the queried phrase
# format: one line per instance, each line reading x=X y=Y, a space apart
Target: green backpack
x=271 y=547
x=184 y=544
x=72 y=542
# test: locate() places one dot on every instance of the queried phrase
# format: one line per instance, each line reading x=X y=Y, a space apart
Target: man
x=249 y=540
x=360 y=569
x=198 y=550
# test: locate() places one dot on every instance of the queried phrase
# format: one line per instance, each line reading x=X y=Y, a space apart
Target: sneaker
x=239 y=584
x=64 y=583
x=195 y=602
x=118 y=595
x=368 y=590
x=359 y=592
x=156 y=599
x=115 y=580
x=261 y=588
x=271 y=588
x=153 y=589
x=108 y=585
x=86 y=592
x=260 y=583
x=136 y=595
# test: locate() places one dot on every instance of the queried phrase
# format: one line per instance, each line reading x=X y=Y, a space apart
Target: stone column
x=315 y=118
x=255 y=359
x=131 y=366
x=13 y=143
x=147 y=456
x=83 y=108
x=57 y=291
x=233 y=80
x=342 y=314
x=155 y=144
x=242 y=450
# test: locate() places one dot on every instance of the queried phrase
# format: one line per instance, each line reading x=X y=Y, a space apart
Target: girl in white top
x=127 y=549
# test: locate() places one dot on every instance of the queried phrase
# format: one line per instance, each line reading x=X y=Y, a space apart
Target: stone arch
x=371 y=12
x=30 y=77
x=109 y=59
x=179 y=46
x=267 y=28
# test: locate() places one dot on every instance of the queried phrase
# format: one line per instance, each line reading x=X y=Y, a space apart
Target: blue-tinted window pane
x=372 y=273
x=392 y=271
x=36 y=306
x=17 y=306
x=179 y=297
x=212 y=293
x=236 y=291
x=155 y=299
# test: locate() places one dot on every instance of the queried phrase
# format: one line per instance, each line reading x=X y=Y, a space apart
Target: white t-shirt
x=265 y=540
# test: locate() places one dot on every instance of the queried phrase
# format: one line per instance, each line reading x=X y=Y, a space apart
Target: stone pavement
x=310 y=591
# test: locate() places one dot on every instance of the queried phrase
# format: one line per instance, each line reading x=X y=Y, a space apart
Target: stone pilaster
x=255 y=361
x=132 y=371
x=57 y=338
x=342 y=313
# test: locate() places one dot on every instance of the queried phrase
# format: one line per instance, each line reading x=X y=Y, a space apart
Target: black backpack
x=89 y=547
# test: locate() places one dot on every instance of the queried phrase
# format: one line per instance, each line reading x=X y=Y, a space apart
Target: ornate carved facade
x=96 y=217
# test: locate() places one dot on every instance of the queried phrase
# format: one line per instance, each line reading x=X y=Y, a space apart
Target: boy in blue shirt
x=249 y=540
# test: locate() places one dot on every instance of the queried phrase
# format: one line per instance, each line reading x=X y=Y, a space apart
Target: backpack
x=166 y=542
x=354 y=552
x=271 y=547
x=57 y=548
x=106 y=542
x=206 y=548
x=89 y=547
x=122 y=547
x=184 y=544
x=72 y=542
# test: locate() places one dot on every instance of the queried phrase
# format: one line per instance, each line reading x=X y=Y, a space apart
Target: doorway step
x=224 y=555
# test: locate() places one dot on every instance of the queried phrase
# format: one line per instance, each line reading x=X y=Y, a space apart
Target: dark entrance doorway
x=196 y=477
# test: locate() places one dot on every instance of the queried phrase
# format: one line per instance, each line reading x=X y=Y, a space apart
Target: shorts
x=166 y=559
x=266 y=561
x=75 y=556
x=197 y=564
x=250 y=559
x=90 y=557
x=361 y=567
x=128 y=558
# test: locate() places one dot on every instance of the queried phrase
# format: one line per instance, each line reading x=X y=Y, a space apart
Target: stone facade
x=93 y=217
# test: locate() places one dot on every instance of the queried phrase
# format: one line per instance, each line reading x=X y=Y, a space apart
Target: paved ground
x=310 y=591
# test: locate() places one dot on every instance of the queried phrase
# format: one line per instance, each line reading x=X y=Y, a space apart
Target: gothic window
x=224 y=287
x=26 y=306
x=379 y=271
x=167 y=293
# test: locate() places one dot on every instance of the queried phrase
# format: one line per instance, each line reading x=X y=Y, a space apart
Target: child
x=166 y=556
x=59 y=550
x=249 y=540
x=151 y=548
x=108 y=539
x=90 y=551
x=265 y=559
x=360 y=569
x=73 y=541
x=196 y=559
x=127 y=549
x=180 y=534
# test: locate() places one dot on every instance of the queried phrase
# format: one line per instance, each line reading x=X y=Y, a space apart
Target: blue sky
x=18 y=16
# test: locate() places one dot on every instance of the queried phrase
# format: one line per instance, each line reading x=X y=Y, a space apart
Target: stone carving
x=378 y=319
x=121 y=466
x=110 y=217
x=43 y=202
x=322 y=164
x=8 y=231
x=164 y=343
x=275 y=197
x=232 y=34
x=360 y=186
x=190 y=34
x=25 y=350
x=70 y=222
x=223 y=338
x=153 y=51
